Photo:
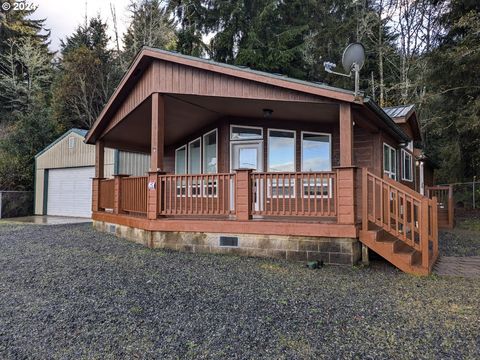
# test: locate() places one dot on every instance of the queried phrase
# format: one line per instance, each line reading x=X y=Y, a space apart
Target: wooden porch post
x=99 y=174
x=346 y=197
x=156 y=154
x=117 y=195
x=243 y=194
x=346 y=135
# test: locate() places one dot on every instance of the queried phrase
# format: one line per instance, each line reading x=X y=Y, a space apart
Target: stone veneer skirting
x=344 y=251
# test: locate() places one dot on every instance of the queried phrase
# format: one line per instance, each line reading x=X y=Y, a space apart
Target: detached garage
x=64 y=172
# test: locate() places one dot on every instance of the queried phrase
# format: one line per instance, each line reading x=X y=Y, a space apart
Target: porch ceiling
x=186 y=114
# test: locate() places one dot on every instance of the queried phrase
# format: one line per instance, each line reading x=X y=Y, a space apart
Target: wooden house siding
x=142 y=89
x=171 y=78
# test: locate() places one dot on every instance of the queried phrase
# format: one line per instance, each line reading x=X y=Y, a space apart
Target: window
x=245 y=132
x=407 y=164
x=316 y=152
x=281 y=150
x=390 y=161
x=71 y=142
x=194 y=156
x=317 y=188
x=210 y=152
x=283 y=188
x=181 y=160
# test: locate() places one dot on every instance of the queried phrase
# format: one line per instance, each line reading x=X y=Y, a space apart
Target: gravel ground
x=69 y=292
x=463 y=240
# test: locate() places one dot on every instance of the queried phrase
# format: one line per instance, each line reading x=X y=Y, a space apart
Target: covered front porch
x=280 y=167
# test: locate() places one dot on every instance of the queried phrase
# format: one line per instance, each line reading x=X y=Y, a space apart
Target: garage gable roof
x=80 y=132
x=146 y=55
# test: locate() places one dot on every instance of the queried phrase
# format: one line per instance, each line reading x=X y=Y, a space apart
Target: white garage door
x=70 y=191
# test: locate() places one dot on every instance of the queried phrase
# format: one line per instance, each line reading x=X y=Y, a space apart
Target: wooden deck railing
x=271 y=194
x=107 y=193
x=133 y=194
x=294 y=194
x=199 y=195
x=446 y=208
x=402 y=212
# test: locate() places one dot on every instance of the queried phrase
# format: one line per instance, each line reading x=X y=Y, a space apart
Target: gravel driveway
x=67 y=291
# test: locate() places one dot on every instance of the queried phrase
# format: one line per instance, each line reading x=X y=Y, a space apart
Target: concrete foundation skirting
x=339 y=251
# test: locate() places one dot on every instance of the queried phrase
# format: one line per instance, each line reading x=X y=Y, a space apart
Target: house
x=64 y=172
x=253 y=163
x=412 y=158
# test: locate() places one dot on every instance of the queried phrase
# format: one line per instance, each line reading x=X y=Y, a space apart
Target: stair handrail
x=427 y=217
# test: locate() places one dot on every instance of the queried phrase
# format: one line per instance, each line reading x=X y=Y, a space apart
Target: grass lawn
x=67 y=291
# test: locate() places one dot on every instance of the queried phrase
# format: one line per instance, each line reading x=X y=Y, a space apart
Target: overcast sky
x=63 y=16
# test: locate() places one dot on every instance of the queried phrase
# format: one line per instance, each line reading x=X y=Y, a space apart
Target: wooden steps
x=394 y=250
x=399 y=224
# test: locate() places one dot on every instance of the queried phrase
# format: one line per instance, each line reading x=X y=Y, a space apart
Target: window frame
x=389 y=173
x=189 y=156
x=403 y=156
x=186 y=159
x=294 y=149
x=246 y=127
x=301 y=148
x=204 y=148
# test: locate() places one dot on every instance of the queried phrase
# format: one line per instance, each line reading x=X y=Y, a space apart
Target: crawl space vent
x=228 y=241
x=111 y=228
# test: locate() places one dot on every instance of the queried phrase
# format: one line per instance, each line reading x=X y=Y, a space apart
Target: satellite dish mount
x=353 y=59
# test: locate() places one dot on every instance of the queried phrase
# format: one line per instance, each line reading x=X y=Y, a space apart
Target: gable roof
x=405 y=114
x=80 y=132
x=146 y=55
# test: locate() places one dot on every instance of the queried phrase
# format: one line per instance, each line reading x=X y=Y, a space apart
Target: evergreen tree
x=26 y=74
x=150 y=26
x=19 y=24
x=88 y=75
x=190 y=18
x=452 y=107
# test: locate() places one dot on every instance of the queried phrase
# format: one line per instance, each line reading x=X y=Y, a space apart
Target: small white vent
x=71 y=142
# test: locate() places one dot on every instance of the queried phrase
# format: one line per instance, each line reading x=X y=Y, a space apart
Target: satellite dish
x=352 y=60
x=354 y=54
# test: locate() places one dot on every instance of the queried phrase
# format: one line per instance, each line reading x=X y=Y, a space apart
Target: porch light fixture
x=267 y=113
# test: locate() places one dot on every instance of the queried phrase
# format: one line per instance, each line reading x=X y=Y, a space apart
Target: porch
x=303 y=204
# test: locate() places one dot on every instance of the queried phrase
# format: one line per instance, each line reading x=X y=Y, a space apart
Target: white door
x=70 y=192
x=248 y=155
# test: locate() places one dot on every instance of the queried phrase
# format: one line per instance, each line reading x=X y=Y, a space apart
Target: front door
x=247 y=155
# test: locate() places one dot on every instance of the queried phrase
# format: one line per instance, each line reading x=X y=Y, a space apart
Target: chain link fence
x=16 y=203
x=466 y=195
